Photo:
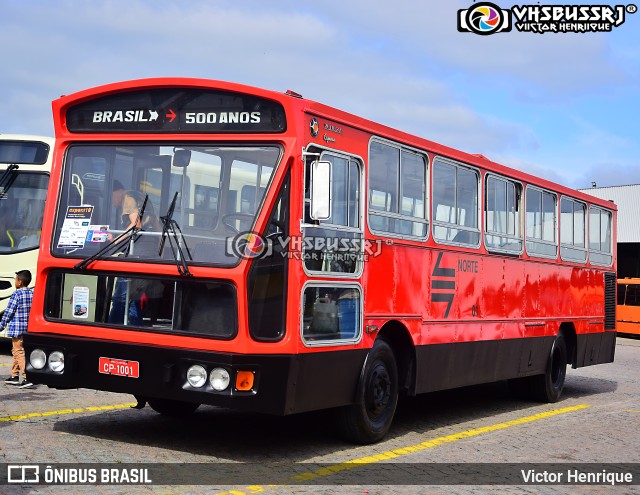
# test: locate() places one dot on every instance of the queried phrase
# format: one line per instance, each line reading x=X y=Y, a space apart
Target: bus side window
x=455 y=203
x=633 y=295
x=331 y=313
x=622 y=290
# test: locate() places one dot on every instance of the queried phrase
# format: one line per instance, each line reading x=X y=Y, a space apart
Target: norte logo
x=484 y=18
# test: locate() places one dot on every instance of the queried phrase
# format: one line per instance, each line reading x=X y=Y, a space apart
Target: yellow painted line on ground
x=6 y=364
x=396 y=453
x=77 y=410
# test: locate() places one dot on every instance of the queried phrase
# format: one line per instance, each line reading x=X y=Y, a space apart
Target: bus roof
x=293 y=100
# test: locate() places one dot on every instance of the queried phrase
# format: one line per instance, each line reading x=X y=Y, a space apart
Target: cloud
x=402 y=64
x=529 y=65
x=262 y=45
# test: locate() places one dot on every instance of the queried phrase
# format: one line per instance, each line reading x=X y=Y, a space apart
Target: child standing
x=16 y=317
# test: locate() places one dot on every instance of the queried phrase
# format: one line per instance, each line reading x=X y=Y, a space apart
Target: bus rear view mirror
x=320 y=190
x=181 y=158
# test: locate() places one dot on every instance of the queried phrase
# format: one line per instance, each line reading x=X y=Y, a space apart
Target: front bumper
x=284 y=384
x=161 y=372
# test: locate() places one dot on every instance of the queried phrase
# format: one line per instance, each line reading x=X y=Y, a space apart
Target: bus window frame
x=556 y=223
x=426 y=220
x=31 y=172
x=312 y=149
x=479 y=205
x=519 y=213
x=634 y=288
x=585 y=226
x=333 y=342
x=596 y=251
x=112 y=145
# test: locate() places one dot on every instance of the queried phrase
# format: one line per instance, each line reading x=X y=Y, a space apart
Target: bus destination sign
x=181 y=110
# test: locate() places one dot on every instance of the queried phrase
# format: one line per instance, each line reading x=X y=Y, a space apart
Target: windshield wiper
x=170 y=230
x=118 y=242
x=7 y=179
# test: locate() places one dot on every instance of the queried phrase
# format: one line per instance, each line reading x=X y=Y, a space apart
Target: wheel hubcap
x=379 y=390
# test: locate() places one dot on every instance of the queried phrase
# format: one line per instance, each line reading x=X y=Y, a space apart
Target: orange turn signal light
x=244 y=380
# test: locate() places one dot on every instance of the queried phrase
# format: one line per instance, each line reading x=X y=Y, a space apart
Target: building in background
x=627 y=198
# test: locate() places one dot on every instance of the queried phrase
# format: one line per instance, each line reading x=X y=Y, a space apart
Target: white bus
x=25 y=163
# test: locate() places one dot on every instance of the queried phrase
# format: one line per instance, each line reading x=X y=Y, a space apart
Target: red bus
x=628 y=308
x=278 y=255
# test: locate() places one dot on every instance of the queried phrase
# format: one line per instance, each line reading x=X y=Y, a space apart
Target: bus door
x=332 y=246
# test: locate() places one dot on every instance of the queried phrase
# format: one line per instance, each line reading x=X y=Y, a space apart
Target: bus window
x=622 y=291
x=572 y=230
x=503 y=228
x=455 y=204
x=397 y=191
x=541 y=224
x=267 y=280
x=600 y=249
x=384 y=170
x=633 y=295
x=331 y=313
x=209 y=207
x=21 y=212
x=334 y=244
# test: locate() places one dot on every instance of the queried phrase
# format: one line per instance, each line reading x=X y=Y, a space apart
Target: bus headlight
x=196 y=376
x=219 y=379
x=38 y=359
x=56 y=361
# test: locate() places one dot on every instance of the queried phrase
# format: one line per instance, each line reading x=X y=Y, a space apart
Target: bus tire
x=173 y=408
x=548 y=387
x=369 y=419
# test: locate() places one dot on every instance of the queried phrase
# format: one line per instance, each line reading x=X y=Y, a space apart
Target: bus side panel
x=445 y=366
x=626 y=326
x=325 y=379
x=595 y=348
x=628 y=316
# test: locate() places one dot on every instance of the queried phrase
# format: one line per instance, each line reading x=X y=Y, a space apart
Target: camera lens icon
x=484 y=18
x=249 y=245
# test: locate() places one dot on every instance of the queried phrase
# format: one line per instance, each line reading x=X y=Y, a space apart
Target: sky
x=564 y=106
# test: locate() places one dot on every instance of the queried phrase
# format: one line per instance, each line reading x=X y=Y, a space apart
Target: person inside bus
x=117 y=196
x=142 y=292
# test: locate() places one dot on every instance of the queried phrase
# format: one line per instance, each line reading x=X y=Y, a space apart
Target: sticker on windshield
x=75 y=227
x=80 y=302
x=98 y=233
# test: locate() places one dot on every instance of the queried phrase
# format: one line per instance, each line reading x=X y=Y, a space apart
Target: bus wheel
x=173 y=408
x=548 y=387
x=369 y=419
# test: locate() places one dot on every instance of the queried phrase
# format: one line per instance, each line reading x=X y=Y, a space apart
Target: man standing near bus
x=16 y=317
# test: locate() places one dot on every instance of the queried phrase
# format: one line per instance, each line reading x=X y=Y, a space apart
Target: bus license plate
x=120 y=367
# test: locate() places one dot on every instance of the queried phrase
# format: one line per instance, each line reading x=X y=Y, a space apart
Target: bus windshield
x=219 y=193
x=21 y=211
